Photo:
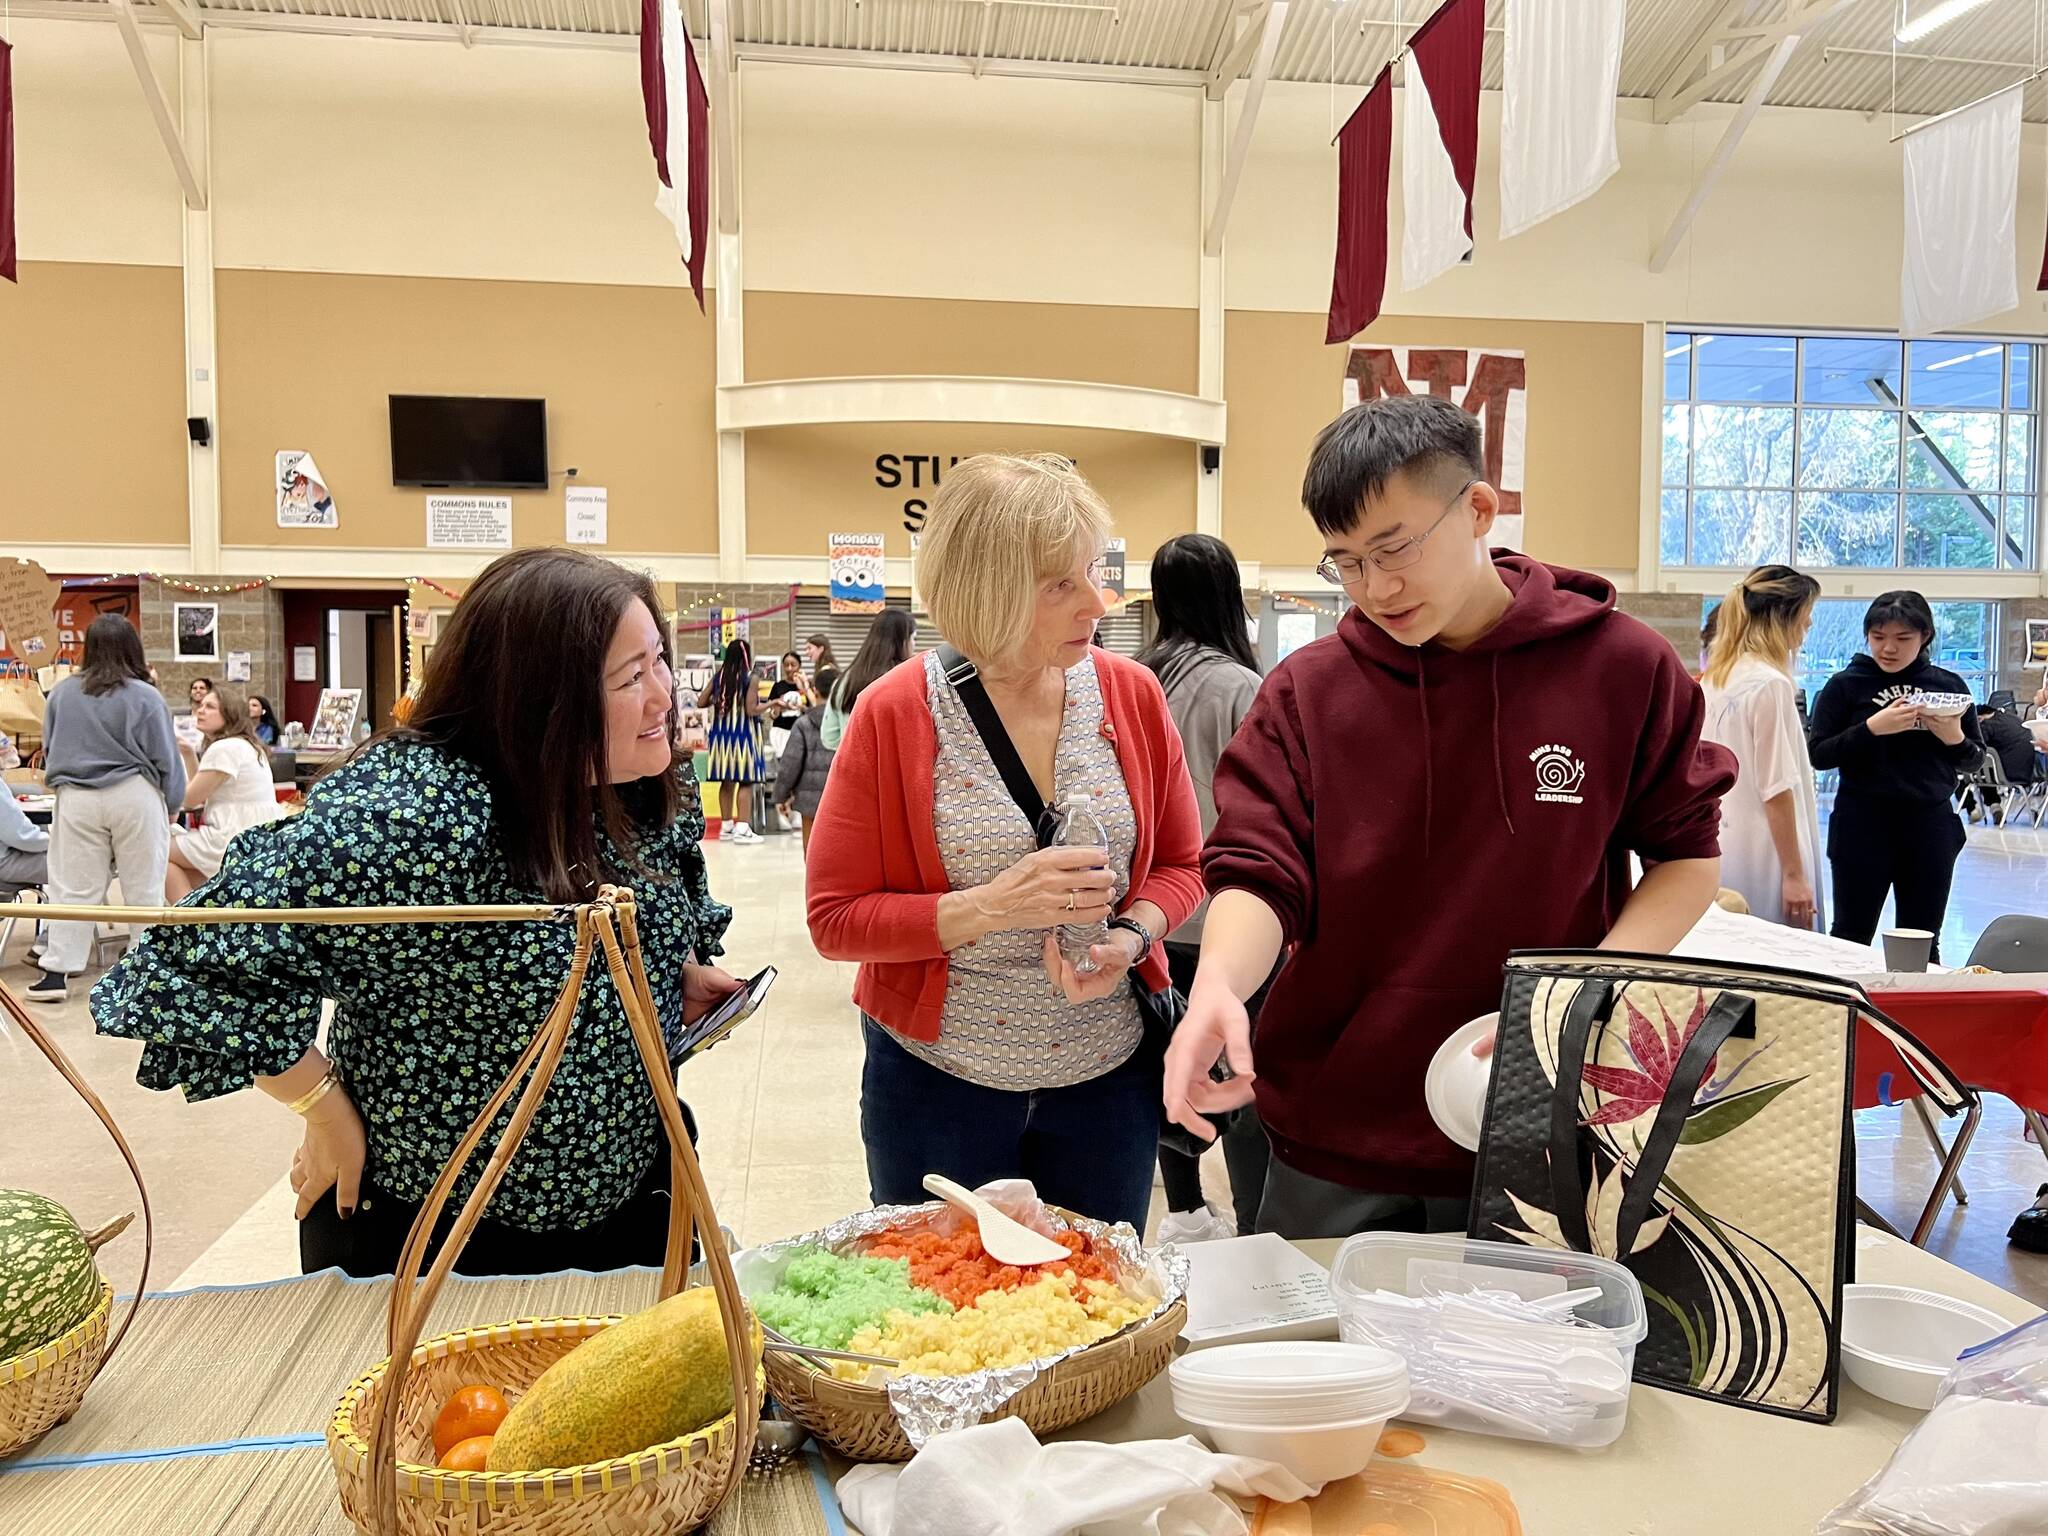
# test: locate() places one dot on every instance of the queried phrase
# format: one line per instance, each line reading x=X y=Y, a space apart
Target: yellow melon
x=657 y=1376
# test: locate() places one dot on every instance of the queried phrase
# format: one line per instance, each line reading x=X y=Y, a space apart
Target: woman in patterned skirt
x=526 y=774
x=988 y=1054
x=735 y=761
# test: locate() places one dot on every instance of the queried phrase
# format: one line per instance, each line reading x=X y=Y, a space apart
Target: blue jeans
x=1089 y=1147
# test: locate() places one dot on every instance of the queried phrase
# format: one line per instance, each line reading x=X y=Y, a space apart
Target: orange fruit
x=471 y=1412
x=469 y=1455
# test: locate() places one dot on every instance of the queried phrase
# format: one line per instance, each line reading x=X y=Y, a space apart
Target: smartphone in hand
x=725 y=1018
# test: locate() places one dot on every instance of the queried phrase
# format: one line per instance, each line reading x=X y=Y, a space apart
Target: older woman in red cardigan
x=988 y=1054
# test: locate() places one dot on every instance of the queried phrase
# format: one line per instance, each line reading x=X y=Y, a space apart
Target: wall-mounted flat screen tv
x=470 y=441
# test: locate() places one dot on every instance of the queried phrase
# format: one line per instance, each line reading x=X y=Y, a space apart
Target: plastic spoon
x=1008 y=1241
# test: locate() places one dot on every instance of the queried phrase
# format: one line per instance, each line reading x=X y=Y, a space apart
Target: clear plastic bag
x=1977 y=1465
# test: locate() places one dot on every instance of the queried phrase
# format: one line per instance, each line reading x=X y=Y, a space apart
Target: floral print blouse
x=428 y=1020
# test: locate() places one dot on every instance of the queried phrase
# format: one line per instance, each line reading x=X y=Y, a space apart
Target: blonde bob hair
x=999 y=525
x=1762 y=616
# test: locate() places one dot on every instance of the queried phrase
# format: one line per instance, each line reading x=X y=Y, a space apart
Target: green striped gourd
x=49 y=1282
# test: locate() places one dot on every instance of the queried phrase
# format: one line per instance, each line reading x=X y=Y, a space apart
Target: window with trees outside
x=1855 y=451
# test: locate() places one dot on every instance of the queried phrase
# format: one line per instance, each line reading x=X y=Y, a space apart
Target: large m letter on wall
x=1491 y=385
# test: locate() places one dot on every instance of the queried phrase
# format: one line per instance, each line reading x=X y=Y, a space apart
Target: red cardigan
x=875 y=875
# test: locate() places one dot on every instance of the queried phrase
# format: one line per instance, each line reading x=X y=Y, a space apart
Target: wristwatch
x=1145 y=939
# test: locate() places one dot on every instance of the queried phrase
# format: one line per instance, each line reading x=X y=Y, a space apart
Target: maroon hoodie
x=1413 y=815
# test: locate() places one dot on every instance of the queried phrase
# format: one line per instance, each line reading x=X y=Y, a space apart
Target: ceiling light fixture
x=1934 y=18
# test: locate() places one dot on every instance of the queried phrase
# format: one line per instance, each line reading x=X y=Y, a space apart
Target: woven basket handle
x=50 y=1049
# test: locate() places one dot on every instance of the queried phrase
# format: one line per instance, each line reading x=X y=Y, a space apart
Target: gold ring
x=1070 y=901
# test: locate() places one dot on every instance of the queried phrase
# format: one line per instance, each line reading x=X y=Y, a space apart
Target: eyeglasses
x=1338 y=570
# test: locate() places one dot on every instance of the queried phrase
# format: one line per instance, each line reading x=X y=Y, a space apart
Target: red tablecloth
x=1992 y=1039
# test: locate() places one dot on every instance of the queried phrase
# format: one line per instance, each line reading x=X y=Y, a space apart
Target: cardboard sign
x=28 y=618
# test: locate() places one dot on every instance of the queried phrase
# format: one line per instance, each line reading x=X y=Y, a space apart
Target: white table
x=1684 y=1466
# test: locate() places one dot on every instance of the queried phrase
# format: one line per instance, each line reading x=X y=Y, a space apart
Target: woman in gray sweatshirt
x=1204 y=659
x=110 y=754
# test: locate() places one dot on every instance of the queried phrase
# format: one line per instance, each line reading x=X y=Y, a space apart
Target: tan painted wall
x=1584 y=436
x=92 y=407
x=804 y=483
x=307 y=360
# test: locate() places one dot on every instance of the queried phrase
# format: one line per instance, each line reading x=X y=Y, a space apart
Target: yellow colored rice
x=1002 y=1328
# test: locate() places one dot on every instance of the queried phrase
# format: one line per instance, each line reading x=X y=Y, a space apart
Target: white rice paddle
x=1008 y=1241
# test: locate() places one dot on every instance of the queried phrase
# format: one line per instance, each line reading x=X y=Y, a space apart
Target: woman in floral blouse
x=538 y=763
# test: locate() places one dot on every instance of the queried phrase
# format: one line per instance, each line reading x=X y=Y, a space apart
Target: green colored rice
x=824 y=1300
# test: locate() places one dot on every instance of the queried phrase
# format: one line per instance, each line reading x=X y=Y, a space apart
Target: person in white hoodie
x=1770 y=820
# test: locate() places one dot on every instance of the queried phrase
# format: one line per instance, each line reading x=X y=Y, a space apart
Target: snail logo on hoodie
x=1558 y=775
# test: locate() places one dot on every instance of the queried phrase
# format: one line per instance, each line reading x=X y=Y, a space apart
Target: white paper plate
x=1455 y=1087
x=1943 y=704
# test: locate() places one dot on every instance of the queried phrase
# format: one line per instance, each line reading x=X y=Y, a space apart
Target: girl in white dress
x=1770 y=820
x=230 y=782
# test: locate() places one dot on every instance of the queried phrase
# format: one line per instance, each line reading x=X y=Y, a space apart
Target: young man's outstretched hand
x=1240 y=941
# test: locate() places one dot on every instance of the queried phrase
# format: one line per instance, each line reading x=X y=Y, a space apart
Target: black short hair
x=1358 y=453
x=1902 y=606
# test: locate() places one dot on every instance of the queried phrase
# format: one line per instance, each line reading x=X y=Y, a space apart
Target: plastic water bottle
x=1079 y=827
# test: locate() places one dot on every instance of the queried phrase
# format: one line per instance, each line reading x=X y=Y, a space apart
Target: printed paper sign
x=238 y=666
x=28 y=618
x=419 y=624
x=469 y=522
x=305 y=664
x=855 y=571
x=1491 y=383
x=303 y=500
x=1113 y=572
x=586 y=512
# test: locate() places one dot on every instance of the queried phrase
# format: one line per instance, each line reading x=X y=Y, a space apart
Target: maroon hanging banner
x=1448 y=48
x=1365 y=149
x=699 y=171
x=654 y=86
x=7 y=267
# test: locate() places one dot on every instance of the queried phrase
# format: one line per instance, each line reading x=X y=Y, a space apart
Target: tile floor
x=778 y=1106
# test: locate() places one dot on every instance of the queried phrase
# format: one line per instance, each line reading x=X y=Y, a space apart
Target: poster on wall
x=196 y=631
x=2037 y=645
x=305 y=664
x=335 y=720
x=855 y=571
x=1491 y=383
x=1113 y=572
x=28 y=618
x=469 y=522
x=585 y=507
x=303 y=500
x=238 y=666
x=725 y=625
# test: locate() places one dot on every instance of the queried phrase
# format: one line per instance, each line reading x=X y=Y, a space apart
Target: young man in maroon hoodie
x=1461 y=770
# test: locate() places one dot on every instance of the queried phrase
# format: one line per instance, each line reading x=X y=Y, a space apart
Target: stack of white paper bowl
x=1316 y=1408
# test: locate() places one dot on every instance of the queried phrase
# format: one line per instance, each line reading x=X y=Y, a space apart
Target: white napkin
x=997 y=1480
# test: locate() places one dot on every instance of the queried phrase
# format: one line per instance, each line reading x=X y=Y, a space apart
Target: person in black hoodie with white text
x=1895 y=827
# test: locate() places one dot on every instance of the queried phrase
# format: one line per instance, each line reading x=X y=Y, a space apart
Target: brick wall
x=769 y=636
x=1674 y=615
x=2012 y=646
x=249 y=621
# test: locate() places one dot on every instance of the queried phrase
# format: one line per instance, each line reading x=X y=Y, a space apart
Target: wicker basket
x=43 y=1388
x=380 y=1438
x=672 y=1487
x=855 y=1419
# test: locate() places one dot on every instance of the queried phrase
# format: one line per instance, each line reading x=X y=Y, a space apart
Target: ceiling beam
x=1230 y=58
x=1271 y=25
x=721 y=87
x=988 y=27
x=184 y=14
x=1724 y=152
x=159 y=106
x=1742 y=47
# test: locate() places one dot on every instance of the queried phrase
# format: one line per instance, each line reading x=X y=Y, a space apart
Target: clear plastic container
x=1563 y=1382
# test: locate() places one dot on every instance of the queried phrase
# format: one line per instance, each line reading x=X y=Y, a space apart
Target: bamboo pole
x=54 y=912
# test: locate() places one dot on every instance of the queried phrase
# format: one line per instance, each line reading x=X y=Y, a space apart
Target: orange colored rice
x=959 y=1268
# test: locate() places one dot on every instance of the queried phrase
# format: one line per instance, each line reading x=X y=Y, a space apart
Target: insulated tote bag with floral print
x=1692 y=1120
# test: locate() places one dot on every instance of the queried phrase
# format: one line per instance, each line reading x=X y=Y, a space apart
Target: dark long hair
x=735 y=677
x=1199 y=602
x=1899 y=606
x=516 y=686
x=113 y=654
x=887 y=645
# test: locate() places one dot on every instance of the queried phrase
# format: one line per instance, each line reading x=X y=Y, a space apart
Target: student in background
x=800 y=777
x=824 y=665
x=1770 y=820
x=1204 y=660
x=1894 y=830
x=24 y=846
x=199 y=689
x=734 y=759
x=264 y=719
x=112 y=757
x=230 y=782
x=890 y=639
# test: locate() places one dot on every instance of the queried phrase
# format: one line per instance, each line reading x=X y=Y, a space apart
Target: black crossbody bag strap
x=981 y=709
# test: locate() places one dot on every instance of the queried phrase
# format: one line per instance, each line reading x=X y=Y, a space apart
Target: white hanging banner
x=1432 y=203
x=674 y=200
x=1560 y=70
x=1962 y=218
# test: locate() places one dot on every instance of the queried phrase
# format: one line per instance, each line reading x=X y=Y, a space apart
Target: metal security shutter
x=1122 y=632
